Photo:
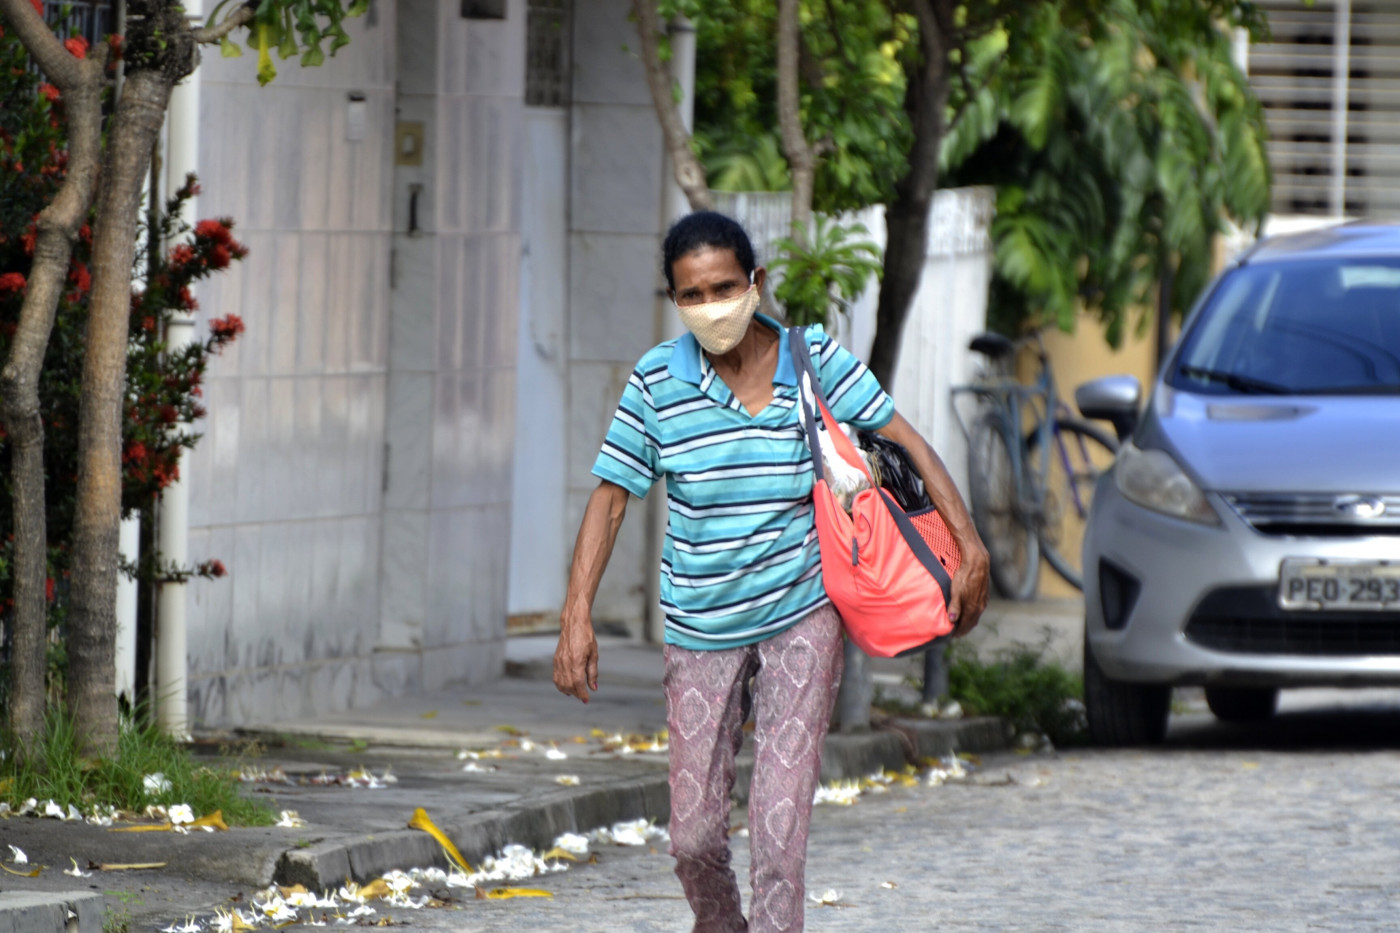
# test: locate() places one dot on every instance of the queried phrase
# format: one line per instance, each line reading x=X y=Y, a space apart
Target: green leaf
x=229 y=49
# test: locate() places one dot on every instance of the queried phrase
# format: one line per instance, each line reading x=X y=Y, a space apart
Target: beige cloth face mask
x=720 y=325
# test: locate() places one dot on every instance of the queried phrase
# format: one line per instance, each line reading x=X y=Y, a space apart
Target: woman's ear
x=760 y=275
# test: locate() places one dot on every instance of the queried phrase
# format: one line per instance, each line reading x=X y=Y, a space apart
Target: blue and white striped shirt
x=741 y=562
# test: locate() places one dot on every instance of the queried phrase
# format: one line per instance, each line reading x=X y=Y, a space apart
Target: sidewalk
x=360 y=833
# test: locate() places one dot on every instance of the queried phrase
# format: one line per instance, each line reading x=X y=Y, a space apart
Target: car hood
x=1284 y=443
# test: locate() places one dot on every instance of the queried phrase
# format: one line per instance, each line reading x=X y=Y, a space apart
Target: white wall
x=539 y=539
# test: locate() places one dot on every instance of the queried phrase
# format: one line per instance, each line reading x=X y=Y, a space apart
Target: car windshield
x=1316 y=327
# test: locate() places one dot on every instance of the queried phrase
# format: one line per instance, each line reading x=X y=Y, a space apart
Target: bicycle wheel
x=1079 y=454
x=997 y=511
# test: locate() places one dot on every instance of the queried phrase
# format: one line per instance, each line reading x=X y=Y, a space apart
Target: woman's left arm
x=970 y=582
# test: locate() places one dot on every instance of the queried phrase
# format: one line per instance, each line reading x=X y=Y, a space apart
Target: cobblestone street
x=1292 y=826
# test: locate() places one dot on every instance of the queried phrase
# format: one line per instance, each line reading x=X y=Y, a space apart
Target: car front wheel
x=1123 y=714
x=1242 y=704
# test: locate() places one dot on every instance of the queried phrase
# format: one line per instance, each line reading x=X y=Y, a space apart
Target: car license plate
x=1355 y=585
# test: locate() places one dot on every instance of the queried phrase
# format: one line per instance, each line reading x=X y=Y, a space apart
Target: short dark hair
x=705 y=230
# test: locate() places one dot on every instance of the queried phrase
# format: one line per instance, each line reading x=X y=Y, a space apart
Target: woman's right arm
x=576 y=657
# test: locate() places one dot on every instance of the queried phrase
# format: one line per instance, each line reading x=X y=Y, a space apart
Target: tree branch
x=690 y=174
x=239 y=17
x=801 y=160
x=43 y=46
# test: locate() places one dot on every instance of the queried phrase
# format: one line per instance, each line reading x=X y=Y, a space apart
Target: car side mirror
x=1114 y=399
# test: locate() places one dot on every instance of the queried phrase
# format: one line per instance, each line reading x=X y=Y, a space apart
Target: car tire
x=1242 y=704
x=1123 y=714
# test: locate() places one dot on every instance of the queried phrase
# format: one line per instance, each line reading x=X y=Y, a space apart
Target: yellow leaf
x=294 y=889
x=376 y=888
x=22 y=874
x=214 y=820
x=503 y=894
x=557 y=852
x=597 y=733
x=131 y=866
x=1249 y=765
x=509 y=729
x=430 y=714
x=580 y=740
x=146 y=828
x=422 y=821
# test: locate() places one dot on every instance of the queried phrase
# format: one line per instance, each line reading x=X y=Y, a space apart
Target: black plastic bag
x=897 y=473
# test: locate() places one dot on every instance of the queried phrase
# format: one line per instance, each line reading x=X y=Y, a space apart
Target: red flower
x=38 y=6
x=114 y=42
x=216 y=568
x=216 y=230
x=148 y=324
x=186 y=300
x=80 y=277
x=182 y=255
x=77 y=45
x=49 y=91
x=226 y=328
x=48 y=589
x=15 y=282
x=135 y=452
x=219 y=256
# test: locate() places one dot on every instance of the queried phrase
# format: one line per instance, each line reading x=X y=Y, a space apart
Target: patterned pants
x=795 y=677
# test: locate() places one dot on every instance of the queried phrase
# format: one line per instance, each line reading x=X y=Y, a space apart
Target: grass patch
x=54 y=770
x=1020 y=685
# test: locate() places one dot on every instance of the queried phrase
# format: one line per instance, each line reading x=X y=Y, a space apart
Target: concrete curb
x=538 y=822
x=47 y=912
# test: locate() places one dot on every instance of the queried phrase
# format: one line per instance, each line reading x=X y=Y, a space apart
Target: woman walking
x=714 y=412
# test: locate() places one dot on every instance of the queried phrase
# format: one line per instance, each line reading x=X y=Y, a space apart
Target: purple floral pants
x=795 y=675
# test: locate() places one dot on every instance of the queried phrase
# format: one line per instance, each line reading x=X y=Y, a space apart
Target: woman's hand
x=576 y=657
x=970 y=585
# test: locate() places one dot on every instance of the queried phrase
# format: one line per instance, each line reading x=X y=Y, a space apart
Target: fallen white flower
x=51 y=808
x=191 y=925
x=75 y=871
x=628 y=833
x=18 y=856
x=830 y=897
x=28 y=807
x=289 y=819
x=431 y=875
x=102 y=815
x=399 y=881
x=527 y=746
x=181 y=814
x=573 y=843
x=156 y=783
x=4 y=808
x=474 y=768
x=74 y=814
x=568 y=780
x=840 y=793
x=363 y=910
x=555 y=754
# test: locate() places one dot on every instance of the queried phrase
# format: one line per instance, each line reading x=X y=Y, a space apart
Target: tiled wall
x=354 y=476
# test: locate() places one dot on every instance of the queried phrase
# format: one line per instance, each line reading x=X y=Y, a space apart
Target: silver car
x=1248 y=535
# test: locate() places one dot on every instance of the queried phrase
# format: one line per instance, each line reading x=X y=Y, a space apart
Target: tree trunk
x=906 y=219
x=80 y=82
x=802 y=161
x=690 y=174
x=161 y=51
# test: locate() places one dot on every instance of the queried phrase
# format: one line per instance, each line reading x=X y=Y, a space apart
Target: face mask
x=720 y=325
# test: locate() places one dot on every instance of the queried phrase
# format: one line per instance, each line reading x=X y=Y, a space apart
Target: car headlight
x=1153 y=480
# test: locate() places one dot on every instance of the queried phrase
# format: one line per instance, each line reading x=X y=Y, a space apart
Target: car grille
x=1247 y=620
x=1318 y=514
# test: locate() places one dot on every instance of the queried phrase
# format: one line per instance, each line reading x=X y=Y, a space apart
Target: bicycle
x=1030 y=488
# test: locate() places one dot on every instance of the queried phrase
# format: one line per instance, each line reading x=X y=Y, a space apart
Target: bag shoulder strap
x=809 y=390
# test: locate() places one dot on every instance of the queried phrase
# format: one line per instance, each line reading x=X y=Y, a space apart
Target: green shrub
x=1021 y=686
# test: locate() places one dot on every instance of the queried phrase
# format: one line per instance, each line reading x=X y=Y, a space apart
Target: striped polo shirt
x=740 y=563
